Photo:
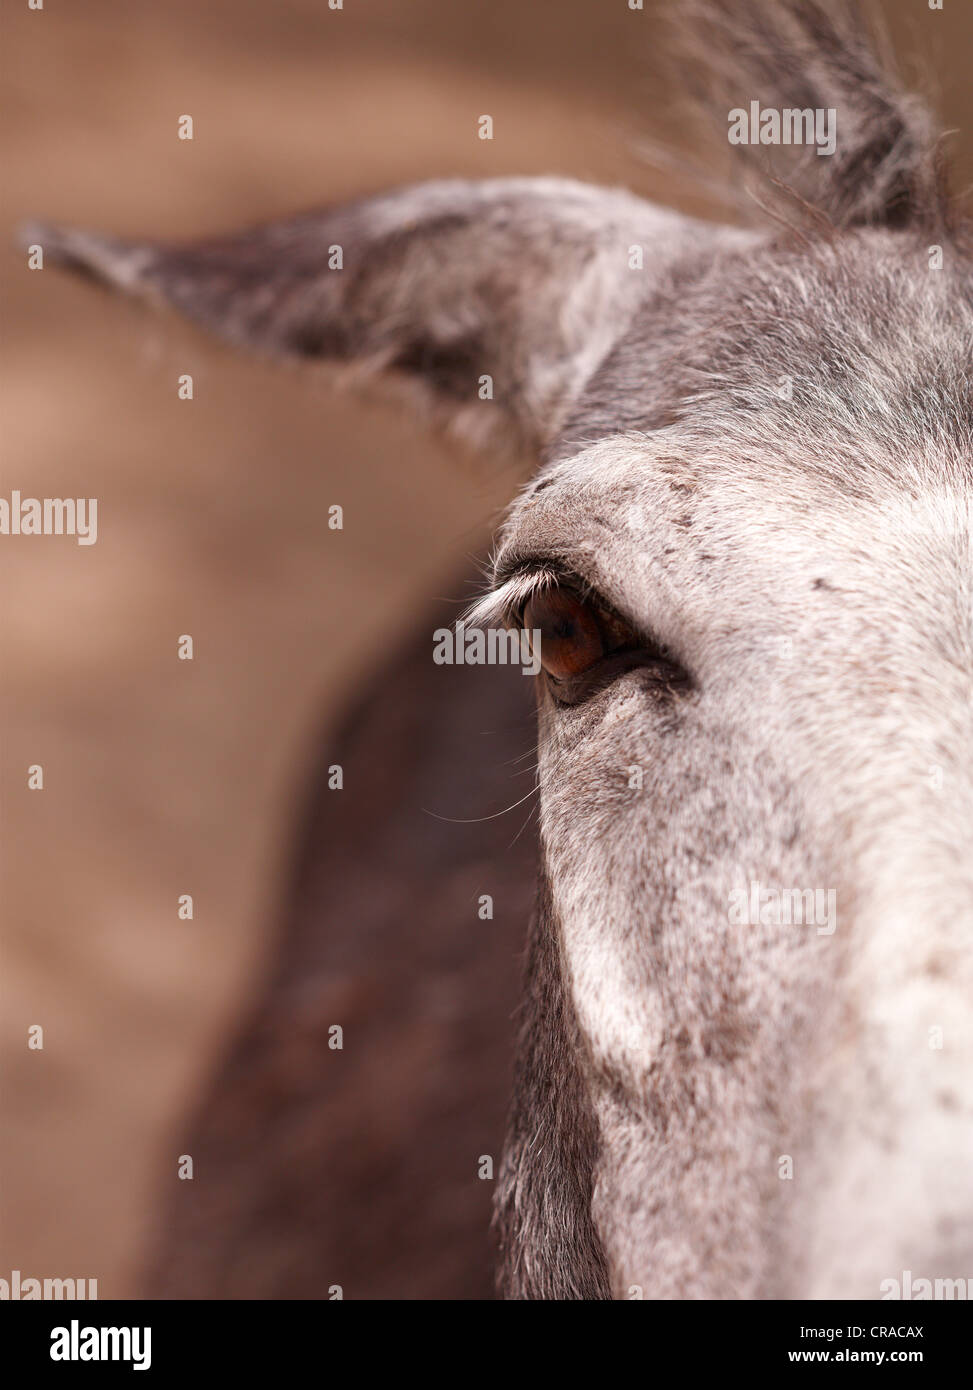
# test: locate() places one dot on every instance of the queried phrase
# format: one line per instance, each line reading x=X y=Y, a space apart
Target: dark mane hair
x=888 y=168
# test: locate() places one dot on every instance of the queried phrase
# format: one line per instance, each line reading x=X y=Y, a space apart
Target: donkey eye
x=574 y=634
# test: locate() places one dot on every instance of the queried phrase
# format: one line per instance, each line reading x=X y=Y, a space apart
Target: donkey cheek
x=619 y=1015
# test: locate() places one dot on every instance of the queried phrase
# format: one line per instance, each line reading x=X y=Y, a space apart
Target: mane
x=888 y=168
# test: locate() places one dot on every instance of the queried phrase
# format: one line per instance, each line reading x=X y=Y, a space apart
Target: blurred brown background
x=165 y=777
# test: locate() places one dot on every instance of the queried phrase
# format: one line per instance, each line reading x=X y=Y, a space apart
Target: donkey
x=743 y=1057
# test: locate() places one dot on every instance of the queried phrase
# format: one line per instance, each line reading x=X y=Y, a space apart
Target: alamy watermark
x=50 y=516
x=758 y=905
x=18 y=1289
x=492 y=646
x=764 y=125
x=911 y=1288
x=77 y=1343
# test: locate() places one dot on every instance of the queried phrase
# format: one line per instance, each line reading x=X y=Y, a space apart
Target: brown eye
x=584 y=647
x=572 y=639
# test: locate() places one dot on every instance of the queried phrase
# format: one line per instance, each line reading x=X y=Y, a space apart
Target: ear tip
x=60 y=243
x=35 y=233
x=102 y=257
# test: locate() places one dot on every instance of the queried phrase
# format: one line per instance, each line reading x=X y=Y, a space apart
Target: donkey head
x=745 y=1061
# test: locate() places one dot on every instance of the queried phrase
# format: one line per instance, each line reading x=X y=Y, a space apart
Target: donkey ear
x=497 y=299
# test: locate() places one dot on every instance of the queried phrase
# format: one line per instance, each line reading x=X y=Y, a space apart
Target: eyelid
x=528 y=575
x=519 y=578
x=544 y=574
x=504 y=602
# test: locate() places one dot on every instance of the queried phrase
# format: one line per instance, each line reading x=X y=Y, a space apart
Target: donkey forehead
x=676 y=531
x=851 y=357
x=678 y=488
x=823 y=408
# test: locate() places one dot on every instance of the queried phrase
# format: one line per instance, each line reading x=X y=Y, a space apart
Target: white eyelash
x=501 y=606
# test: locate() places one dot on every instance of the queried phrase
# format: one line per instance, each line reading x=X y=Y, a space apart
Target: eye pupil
x=571 y=640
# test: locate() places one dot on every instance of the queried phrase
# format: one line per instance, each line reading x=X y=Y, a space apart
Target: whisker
x=534 y=810
x=476 y=820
